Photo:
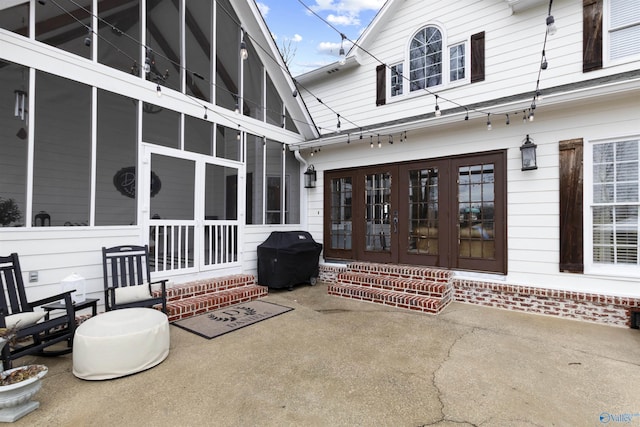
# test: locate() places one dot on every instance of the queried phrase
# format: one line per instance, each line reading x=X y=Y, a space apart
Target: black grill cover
x=287 y=258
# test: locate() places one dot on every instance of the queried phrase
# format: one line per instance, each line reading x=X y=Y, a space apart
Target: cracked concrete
x=337 y=362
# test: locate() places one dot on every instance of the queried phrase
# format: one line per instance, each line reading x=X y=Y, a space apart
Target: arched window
x=425 y=59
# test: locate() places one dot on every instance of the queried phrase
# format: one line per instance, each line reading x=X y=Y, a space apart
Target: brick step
x=424 y=287
x=401 y=271
x=208 y=286
x=192 y=306
x=387 y=297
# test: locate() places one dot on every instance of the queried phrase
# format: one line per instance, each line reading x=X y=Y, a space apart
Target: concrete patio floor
x=336 y=362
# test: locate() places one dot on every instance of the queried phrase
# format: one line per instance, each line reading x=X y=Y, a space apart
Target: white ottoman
x=120 y=342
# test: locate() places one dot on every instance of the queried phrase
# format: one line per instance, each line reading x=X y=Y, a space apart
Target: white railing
x=180 y=245
x=220 y=242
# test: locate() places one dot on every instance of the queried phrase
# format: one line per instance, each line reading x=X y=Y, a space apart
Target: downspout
x=304 y=200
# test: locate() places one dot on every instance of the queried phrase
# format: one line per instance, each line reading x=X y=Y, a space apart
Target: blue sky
x=312 y=42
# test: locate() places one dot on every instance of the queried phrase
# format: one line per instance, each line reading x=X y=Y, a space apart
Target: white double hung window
x=615 y=205
x=622 y=33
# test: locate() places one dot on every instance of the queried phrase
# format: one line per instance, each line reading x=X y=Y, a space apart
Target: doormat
x=228 y=319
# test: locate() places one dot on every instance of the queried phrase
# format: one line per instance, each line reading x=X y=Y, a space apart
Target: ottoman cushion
x=120 y=342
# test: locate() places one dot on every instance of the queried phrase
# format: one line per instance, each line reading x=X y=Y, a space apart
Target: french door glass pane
x=423 y=211
x=377 y=212
x=476 y=204
x=341 y=219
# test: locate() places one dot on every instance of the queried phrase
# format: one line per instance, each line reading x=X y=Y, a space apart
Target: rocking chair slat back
x=125 y=266
x=12 y=284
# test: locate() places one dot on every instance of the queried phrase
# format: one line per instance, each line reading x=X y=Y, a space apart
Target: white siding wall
x=513 y=50
x=533 y=196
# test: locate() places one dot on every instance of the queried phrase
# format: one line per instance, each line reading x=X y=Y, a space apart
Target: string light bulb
x=379 y=143
x=343 y=58
x=371 y=141
x=489 y=127
x=466 y=114
x=551 y=25
x=338 y=124
x=158 y=90
x=508 y=121
x=244 y=53
x=438 y=113
x=205 y=112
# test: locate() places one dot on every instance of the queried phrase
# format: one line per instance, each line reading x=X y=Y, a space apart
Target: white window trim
x=467 y=63
x=590 y=267
x=606 y=40
x=446 y=82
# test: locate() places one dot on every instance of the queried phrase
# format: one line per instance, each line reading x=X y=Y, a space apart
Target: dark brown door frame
x=448 y=256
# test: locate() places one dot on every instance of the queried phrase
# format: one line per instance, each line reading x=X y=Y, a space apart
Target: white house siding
x=512 y=57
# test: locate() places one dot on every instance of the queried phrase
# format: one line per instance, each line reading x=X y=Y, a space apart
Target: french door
x=447 y=213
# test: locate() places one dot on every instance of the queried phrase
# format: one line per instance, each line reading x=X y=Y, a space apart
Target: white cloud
x=297 y=38
x=353 y=7
x=263 y=8
x=343 y=20
x=328 y=48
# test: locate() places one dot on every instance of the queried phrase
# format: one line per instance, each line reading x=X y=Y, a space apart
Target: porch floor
x=341 y=362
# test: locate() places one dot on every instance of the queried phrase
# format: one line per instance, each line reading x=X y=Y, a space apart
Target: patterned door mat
x=224 y=320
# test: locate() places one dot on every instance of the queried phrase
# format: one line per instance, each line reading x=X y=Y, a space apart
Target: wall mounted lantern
x=310 y=177
x=528 y=153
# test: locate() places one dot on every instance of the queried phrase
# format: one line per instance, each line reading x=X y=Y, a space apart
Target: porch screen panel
x=274 y=178
x=253 y=79
x=163 y=41
x=255 y=179
x=62 y=150
x=423 y=211
x=198 y=135
x=65 y=25
x=14 y=134
x=198 y=30
x=476 y=205
x=16 y=19
x=227 y=56
x=341 y=213
x=160 y=126
x=117 y=43
x=116 y=172
x=292 y=188
x=228 y=143
x=377 y=212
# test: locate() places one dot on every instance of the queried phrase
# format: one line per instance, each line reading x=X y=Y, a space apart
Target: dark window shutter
x=381 y=85
x=571 y=224
x=591 y=35
x=477 y=57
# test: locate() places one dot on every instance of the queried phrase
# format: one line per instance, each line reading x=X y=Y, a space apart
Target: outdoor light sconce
x=310 y=177
x=528 y=153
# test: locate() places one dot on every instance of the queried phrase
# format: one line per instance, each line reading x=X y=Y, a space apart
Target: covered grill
x=288 y=258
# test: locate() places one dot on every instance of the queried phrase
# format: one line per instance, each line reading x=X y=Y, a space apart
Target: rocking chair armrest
x=53 y=298
x=162 y=283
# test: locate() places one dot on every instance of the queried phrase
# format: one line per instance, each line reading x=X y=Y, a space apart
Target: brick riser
x=191 y=299
x=409 y=287
x=422 y=287
x=390 y=298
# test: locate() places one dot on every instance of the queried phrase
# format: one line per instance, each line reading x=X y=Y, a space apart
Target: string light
x=244 y=53
x=205 y=112
x=391 y=139
x=371 y=141
x=508 y=122
x=379 y=143
x=438 y=113
x=489 y=127
x=343 y=58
